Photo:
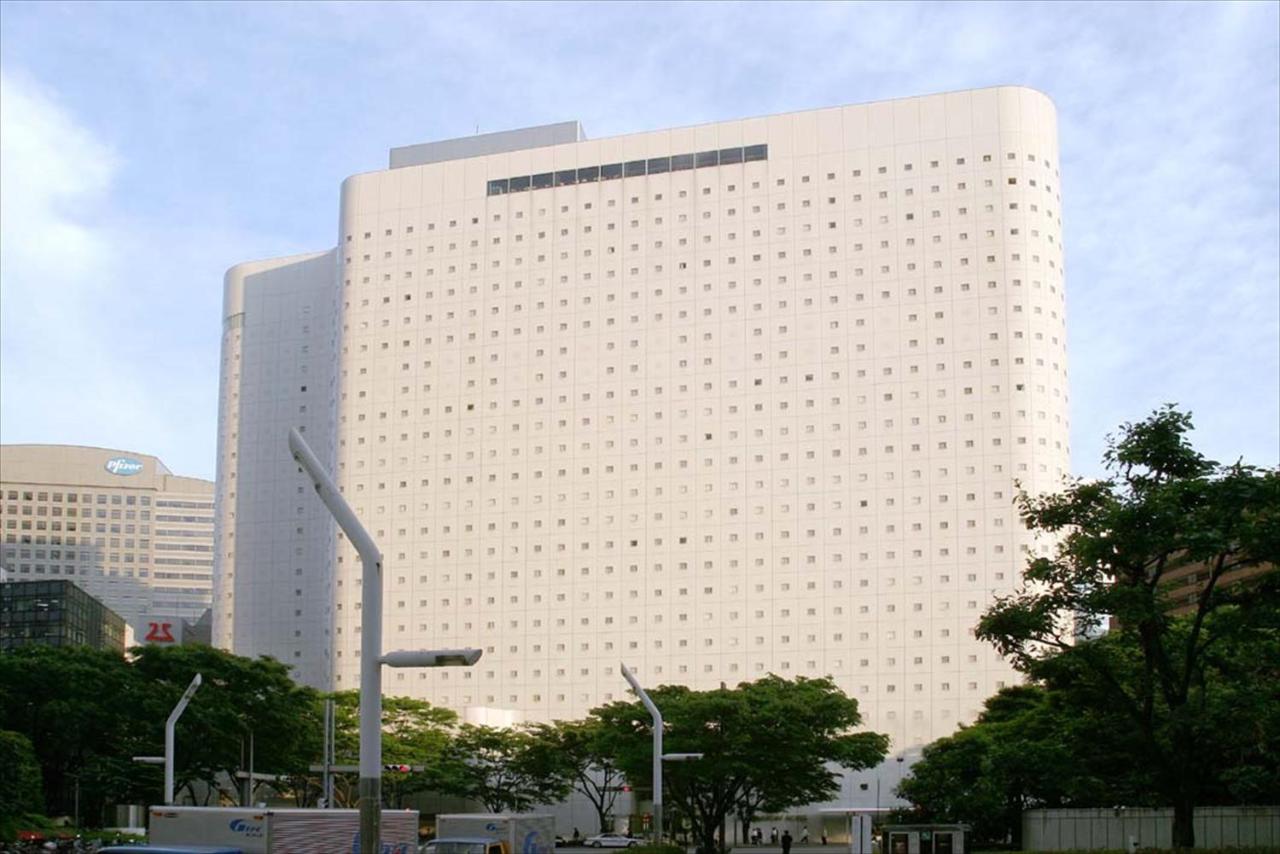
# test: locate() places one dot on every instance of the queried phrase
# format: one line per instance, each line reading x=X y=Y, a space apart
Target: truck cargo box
x=520 y=833
x=280 y=831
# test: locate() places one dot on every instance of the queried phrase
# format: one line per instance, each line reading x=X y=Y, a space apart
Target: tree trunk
x=602 y=816
x=1184 y=828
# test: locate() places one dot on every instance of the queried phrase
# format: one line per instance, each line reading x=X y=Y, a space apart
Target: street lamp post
x=168 y=735
x=247 y=799
x=370 y=785
x=167 y=759
x=327 y=797
x=657 y=750
x=371 y=657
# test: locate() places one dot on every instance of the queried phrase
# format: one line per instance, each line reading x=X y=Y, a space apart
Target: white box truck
x=280 y=831
x=477 y=833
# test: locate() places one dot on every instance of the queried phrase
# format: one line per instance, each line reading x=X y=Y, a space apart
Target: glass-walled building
x=56 y=613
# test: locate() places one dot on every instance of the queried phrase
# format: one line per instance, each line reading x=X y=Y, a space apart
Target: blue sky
x=147 y=147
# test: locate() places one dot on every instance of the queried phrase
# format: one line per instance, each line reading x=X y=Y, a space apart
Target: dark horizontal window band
x=630 y=169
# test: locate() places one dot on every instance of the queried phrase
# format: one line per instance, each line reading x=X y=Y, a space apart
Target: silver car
x=610 y=840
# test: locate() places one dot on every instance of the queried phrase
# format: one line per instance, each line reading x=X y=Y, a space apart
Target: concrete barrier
x=1093 y=829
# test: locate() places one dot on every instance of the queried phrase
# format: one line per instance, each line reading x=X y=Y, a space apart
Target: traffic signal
x=404 y=769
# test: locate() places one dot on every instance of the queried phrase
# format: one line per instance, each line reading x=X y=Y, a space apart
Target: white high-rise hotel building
x=718 y=401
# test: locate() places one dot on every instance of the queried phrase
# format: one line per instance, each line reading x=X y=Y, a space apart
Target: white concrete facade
x=118 y=523
x=720 y=421
x=274 y=580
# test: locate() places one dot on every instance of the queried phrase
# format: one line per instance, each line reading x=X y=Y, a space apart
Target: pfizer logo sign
x=123 y=466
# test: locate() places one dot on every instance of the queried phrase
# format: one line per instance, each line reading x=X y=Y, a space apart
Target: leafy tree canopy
x=87 y=712
x=581 y=749
x=414 y=732
x=20 y=788
x=239 y=698
x=508 y=770
x=1119 y=547
x=79 y=708
x=769 y=741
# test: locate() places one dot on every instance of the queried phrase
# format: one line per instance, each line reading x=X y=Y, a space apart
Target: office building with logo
x=720 y=401
x=119 y=524
x=55 y=612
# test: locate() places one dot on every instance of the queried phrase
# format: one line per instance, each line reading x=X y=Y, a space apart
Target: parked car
x=610 y=840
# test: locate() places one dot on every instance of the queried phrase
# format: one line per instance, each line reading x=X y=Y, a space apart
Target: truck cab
x=464 y=845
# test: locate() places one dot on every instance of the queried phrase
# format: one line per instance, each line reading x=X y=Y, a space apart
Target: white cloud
x=233 y=131
x=55 y=175
x=76 y=361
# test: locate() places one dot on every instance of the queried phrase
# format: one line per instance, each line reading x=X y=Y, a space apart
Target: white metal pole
x=168 y=735
x=244 y=787
x=370 y=786
x=324 y=788
x=657 y=751
x=333 y=750
x=250 y=804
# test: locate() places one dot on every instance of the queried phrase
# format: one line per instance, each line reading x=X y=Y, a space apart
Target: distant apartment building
x=119 y=524
x=720 y=401
x=1183 y=585
x=56 y=613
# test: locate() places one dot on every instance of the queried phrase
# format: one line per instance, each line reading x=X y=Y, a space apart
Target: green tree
x=951 y=783
x=88 y=712
x=504 y=769
x=414 y=732
x=1021 y=752
x=772 y=740
x=1163 y=507
x=581 y=749
x=80 y=709
x=1062 y=742
x=20 y=787
x=239 y=698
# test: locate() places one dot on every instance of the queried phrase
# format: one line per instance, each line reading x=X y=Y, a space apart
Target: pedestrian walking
x=804 y=836
x=773 y=836
x=824 y=837
x=786 y=842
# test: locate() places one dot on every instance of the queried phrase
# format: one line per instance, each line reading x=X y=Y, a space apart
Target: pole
x=168 y=735
x=324 y=788
x=333 y=750
x=657 y=751
x=244 y=790
x=370 y=786
x=250 y=804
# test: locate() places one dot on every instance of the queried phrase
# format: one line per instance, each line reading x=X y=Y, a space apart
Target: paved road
x=738 y=848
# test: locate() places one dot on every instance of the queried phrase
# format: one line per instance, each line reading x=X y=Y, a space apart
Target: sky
x=148 y=147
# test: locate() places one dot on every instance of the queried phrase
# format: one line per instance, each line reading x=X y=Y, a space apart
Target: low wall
x=1082 y=829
